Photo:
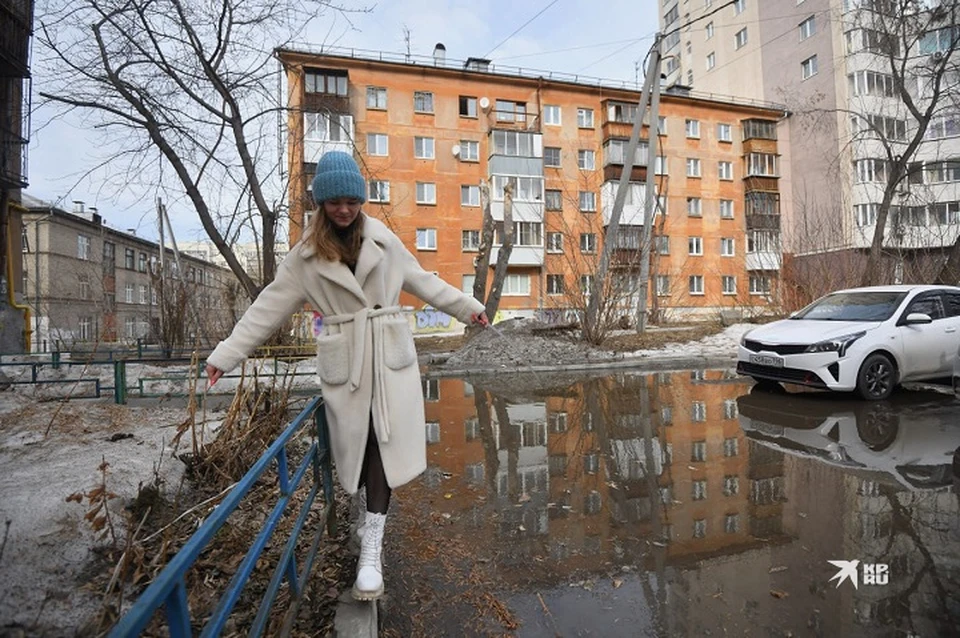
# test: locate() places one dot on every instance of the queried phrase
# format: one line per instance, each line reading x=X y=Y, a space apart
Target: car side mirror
x=917 y=318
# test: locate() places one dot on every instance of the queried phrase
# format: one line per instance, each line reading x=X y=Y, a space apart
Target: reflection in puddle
x=637 y=505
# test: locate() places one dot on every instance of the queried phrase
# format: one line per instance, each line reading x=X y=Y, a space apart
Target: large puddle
x=678 y=503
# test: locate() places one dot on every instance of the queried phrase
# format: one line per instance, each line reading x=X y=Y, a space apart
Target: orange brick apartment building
x=426 y=131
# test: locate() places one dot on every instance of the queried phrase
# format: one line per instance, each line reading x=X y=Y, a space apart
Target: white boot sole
x=366 y=595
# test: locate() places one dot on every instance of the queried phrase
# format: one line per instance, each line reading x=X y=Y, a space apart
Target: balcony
x=16 y=19
x=522 y=211
x=632 y=214
x=520 y=255
x=763 y=261
x=324 y=132
x=13 y=136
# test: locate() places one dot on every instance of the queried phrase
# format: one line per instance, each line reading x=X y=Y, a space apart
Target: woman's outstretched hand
x=480 y=318
x=213 y=375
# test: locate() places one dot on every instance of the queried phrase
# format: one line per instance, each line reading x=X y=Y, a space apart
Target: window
x=871 y=83
x=725 y=170
x=526 y=189
x=83 y=248
x=726 y=247
x=376 y=98
x=153 y=297
x=433 y=432
x=377 y=144
x=588 y=202
x=553 y=200
x=128 y=293
x=731 y=446
x=709 y=30
x=524 y=234
x=740 y=38
x=469 y=195
x=515 y=144
x=470 y=240
x=85 y=328
x=939 y=40
x=84 y=287
x=586 y=160
x=555 y=284
x=508 y=111
x=693 y=207
x=554 y=242
x=588 y=242
x=690 y=77
x=329 y=82
x=693 y=128
x=585 y=118
x=872 y=125
x=726 y=209
x=731 y=523
x=699 y=492
x=143 y=294
x=662 y=245
x=693 y=167
x=698 y=451
x=807 y=28
x=551 y=156
x=808 y=68
x=422 y=102
x=426 y=193
x=671 y=16
x=551 y=114
x=695 y=245
x=426 y=239
x=698 y=411
x=711 y=60
x=468 y=281
x=516 y=285
x=327 y=127
x=586 y=284
x=729 y=284
x=759 y=285
x=129 y=255
x=423 y=148
x=379 y=191
x=142 y=262
x=695 y=284
x=730 y=410
x=739 y=6
x=763 y=241
x=468 y=106
x=663 y=285
x=724 y=133
x=469 y=151
x=759 y=129
x=870 y=171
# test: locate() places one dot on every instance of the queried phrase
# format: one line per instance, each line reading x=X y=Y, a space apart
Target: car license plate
x=767 y=360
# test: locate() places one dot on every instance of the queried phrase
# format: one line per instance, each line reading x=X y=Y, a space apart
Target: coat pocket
x=333 y=359
x=398 y=349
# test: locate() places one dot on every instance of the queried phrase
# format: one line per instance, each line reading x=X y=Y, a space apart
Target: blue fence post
x=55 y=359
x=120 y=382
x=325 y=463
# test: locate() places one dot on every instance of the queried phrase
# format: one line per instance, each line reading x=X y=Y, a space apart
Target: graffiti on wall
x=429 y=319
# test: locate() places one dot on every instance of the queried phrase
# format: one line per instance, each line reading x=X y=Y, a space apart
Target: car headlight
x=743 y=337
x=837 y=344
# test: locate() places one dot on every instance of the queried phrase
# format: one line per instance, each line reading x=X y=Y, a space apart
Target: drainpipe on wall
x=11 y=295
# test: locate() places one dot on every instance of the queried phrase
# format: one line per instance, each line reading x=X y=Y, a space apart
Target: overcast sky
x=570 y=36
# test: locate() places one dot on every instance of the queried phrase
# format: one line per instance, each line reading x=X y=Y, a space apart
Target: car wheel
x=877 y=378
x=767 y=386
x=878 y=427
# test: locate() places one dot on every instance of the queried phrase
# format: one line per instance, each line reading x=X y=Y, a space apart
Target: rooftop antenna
x=406 y=40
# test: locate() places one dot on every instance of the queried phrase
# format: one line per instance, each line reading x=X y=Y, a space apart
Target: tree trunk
x=482 y=266
x=503 y=256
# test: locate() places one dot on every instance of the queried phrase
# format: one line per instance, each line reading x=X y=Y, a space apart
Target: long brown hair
x=332 y=244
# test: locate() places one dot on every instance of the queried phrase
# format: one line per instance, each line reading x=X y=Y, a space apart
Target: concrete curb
x=653 y=363
x=354 y=618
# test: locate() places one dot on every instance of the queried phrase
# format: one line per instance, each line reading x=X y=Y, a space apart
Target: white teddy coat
x=366 y=358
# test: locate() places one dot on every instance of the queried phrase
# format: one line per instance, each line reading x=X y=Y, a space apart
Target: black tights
x=373 y=477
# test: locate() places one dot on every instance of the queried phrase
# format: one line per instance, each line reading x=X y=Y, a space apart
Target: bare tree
x=193 y=83
x=491 y=300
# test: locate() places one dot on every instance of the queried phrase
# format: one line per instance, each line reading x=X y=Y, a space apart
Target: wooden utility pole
x=650 y=203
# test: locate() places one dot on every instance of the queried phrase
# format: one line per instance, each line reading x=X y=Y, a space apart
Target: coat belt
x=362 y=320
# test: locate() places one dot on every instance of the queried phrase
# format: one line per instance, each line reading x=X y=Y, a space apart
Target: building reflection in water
x=650 y=480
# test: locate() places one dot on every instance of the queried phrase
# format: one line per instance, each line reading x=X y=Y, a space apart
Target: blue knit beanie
x=338 y=176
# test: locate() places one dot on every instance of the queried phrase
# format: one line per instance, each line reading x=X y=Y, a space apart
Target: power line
x=610 y=55
x=585 y=46
x=701 y=17
x=520 y=28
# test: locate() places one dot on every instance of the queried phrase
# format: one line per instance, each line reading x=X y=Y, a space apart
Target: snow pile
x=722 y=344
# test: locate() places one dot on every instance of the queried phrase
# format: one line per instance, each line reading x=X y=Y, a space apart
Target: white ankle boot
x=358 y=521
x=369 y=583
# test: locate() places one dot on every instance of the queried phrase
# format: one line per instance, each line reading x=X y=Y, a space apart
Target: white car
x=867 y=340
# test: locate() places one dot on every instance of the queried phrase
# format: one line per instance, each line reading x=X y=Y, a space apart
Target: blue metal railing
x=169 y=589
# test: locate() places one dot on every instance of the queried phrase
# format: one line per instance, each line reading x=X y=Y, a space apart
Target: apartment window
x=808 y=68
x=663 y=285
x=468 y=281
x=153 y=297
x=515 y=144
x=730 y=410
x=870 y=125
x=726 y=209
x=143 y=294
x=588 y=242
x=128 y=291
x=729 y=284
x=724 y=133
x=554 y=242
x=551 y=114
x=731 y=446
x=586 y=285
x=516 y=285
x=109 y=252
x=85 y=325
x=327 y=127
x=588 y=202
x=525 y=189
x=508 y=111
x=759 y=129
x=426 y=193
x=872 y=83
x=731 y=485
x=870 y=170
x=423 y=102
x=731 y=523
x=426 y=239
x=470 y=240
x=585 y=118
x=725 y=170
x=551 y=156
x=423 y=148
x=693 y=128
x=662 y=244
x=586 y=160
x=83 y=247
x=693 y=167
x=377 y=144
x=469 y=151
x=695 y=245
x=739 y=6
x=433 y=432
x=693 y=207
x=807 y=28
x=329 y=82
x=698 y=451
x=690 y=77
x=84 y=287
x=376 y=98
x=524 y=234
x=759 y=285
x=698 y=411
x=711 y=60
x=553 y=200
x=695 y=284
x=379 y=190
x=740 y=38
x=555 y=285
x=469 y=195
x=726 y=247
x=662 y=125
x=129 y=257
x=709 y=30
x=468 y=106
x=699 y=492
